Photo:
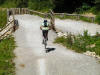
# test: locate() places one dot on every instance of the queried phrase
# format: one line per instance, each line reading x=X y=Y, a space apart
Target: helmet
x=45 y=20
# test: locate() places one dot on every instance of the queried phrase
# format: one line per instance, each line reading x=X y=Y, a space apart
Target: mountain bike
x=45 y=40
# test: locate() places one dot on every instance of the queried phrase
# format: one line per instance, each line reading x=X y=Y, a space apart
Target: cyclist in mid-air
x=45 y=27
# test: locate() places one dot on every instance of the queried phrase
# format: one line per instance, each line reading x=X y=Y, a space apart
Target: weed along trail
x=31 y=58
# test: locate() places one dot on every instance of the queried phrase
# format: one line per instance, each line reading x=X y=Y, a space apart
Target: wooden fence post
x=28 y=11
x=8 y=15
x=78 y=16
x=52 y=20
x=92 y=19
x=24 y=10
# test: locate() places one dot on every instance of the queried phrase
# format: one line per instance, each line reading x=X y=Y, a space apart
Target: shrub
x=69 y=40
x=98 y=18
x=40 y=5
x=81 y=43
x=8 y=4
x=85 y=7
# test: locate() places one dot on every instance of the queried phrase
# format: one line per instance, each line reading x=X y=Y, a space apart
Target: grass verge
x=9 y=4
x=7 y=66
x=85 y=19
x=74 y=18
x=3 y=18
x=81 y=43
x=66 y=17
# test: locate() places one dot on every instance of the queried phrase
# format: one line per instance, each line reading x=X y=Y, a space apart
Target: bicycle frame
x=45 y=40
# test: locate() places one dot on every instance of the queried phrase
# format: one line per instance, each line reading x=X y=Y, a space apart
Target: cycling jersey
x=45 y=28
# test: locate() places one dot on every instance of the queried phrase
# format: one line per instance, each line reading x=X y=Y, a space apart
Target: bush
x=40 y=6
x=81 y=43
x=8 y=4
x=85 y=7
x=98 y=18
x=94 y=10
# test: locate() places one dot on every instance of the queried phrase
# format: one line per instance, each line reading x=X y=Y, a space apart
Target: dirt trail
x=31 y=58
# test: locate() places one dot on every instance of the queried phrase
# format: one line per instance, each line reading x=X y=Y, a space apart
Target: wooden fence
x=6 y=31
x=78 y=16
x=9 y=27
x=50 y=14
x=16 y=11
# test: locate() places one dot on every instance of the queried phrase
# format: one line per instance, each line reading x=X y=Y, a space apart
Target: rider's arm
x=41 y=26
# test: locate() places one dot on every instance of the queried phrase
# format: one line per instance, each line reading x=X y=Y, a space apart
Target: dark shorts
x=45 y=33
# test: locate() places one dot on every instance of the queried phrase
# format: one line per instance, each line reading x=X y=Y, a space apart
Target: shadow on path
x=50 y=49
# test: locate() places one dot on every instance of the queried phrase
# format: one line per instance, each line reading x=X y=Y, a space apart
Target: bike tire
x=45 y=43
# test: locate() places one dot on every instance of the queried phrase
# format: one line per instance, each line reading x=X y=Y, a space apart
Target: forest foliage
x=69 y=6
x=65 y=6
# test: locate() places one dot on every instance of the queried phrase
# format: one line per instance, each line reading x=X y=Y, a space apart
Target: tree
x=98 y=5
x=1 y=1
x=71 y=5
x=22 y=3
x=41 y=4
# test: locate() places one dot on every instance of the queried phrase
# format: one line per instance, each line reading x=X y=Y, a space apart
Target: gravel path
x=31 y=58
x=77 y=27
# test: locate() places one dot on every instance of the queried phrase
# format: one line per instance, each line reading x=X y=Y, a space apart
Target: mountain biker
x=45 y=27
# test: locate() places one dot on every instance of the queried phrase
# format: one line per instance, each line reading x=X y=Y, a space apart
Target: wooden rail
x=9 y=27
x=33 y=11
x=51 y=14
x=92 y=18
x=6 y=26
x=6 y=29
x=19 y=11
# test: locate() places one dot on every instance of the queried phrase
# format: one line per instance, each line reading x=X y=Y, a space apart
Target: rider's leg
x=43 y=34
x=46 y=34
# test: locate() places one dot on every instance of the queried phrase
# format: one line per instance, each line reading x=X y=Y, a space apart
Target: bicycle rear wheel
x=45 y=43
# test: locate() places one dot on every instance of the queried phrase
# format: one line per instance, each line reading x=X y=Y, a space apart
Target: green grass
x=85 y=19
x=74 y=18
x=3 y=18
x=81 y=43
x=6 y=56
x=8 y=4
x=66 y=17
